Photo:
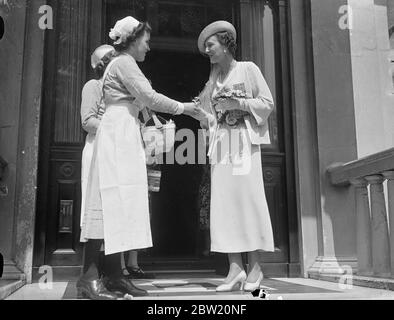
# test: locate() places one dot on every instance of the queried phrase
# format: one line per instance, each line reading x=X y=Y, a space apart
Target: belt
x=133 y=109
x=232 y=117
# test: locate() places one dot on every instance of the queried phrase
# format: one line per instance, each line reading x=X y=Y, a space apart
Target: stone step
x=8 y=287
x=11 y=272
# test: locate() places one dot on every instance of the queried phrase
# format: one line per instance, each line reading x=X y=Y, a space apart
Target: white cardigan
x=258 y=102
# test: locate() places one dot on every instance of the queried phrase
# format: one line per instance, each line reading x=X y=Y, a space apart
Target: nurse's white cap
x=123 y=28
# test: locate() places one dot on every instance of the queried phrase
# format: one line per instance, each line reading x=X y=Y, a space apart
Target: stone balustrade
x=375 y=220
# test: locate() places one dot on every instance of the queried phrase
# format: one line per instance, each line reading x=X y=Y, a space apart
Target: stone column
x=364 y=237
x=335 y=217
x=389 y=175
x=380 y=234
x=28 y=139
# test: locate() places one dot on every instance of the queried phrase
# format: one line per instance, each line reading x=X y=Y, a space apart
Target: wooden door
x=67 y=66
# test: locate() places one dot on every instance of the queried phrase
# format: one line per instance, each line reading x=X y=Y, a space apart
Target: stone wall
x=22 y=56
x=335 y=126
x=11 y=57
x=372 y=81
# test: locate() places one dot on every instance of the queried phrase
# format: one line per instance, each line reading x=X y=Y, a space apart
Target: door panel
x=61 y=137
x=274 y=187
x=63 y=246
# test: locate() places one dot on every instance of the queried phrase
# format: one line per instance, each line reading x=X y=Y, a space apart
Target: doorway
x=175 y=208
x=176 y=69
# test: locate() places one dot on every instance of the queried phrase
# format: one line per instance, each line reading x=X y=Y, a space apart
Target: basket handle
x=157 y=122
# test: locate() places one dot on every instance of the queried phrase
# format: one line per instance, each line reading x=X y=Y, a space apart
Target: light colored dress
x=92 y=108
x=117 y=189
x=240 y=219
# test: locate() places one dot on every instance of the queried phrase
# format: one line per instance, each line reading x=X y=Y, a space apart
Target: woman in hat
x=117 y=208
x=235 y=106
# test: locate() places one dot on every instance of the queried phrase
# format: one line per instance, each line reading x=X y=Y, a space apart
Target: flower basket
x=158 y=135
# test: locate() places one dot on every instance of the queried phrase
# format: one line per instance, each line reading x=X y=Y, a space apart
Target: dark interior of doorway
x=175 y=210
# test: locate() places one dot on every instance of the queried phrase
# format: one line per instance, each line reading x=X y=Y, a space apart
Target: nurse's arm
x=91 y=97
x=140 y=88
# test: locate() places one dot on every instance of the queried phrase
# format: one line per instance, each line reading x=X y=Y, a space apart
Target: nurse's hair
x=138 y=32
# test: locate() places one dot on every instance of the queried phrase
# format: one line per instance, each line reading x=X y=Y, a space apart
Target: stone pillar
x=380 y=234
x=336 y=218
x=364 y=237
x=389 y=175
x=11 y=69
x=306 y=146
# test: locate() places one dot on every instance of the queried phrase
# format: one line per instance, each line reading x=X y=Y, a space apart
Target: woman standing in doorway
x=117 y=208
x=235 y=106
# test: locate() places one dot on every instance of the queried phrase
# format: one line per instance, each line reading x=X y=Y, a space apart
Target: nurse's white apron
x=87 y=155
x=117 y=207
x=123 y=180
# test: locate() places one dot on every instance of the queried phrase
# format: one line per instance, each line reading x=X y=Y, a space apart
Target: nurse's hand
x=191 y=109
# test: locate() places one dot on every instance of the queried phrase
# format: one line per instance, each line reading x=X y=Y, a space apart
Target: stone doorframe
x=30 y=61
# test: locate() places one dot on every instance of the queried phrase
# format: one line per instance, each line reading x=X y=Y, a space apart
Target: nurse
x=92 y=110
x=116 y=208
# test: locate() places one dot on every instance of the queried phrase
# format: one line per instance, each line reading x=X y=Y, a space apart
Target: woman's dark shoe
x=124 y=286
x=94 y=290
x=138 y=273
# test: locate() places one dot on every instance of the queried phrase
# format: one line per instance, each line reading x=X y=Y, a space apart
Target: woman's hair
x=138 y=32
x=227 y=39
x=102 y=65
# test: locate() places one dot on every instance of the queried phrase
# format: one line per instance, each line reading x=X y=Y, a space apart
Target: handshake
x=194 y=110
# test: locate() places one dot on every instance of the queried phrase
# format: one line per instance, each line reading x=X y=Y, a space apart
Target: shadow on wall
x=1 y=265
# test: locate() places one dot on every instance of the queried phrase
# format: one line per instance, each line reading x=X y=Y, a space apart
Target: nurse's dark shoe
x=94 y=290
x=124 y=286
x=137 y=273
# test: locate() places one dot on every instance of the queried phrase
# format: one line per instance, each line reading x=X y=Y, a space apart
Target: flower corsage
x=231 y=117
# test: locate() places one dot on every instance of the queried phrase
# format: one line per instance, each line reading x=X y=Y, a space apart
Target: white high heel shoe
x=250 y=287
x=231 y=286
